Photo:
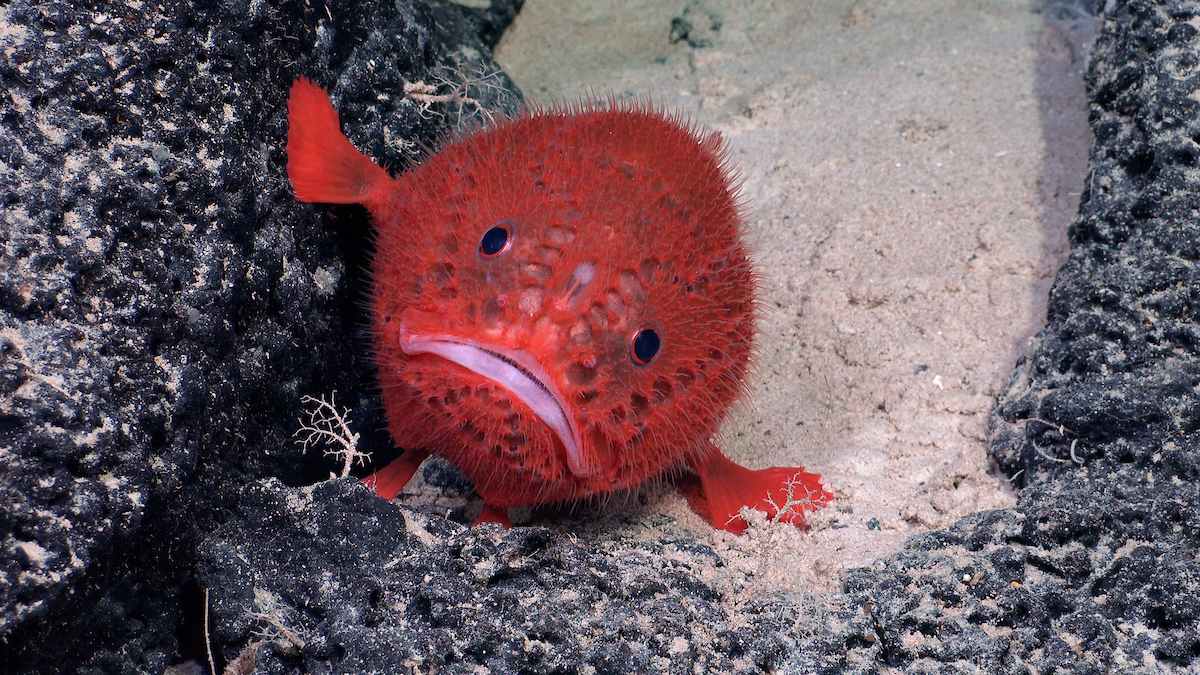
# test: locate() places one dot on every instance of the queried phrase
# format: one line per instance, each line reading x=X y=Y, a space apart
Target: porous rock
x=1094 y=570
x=370 y=587
x=164 y=301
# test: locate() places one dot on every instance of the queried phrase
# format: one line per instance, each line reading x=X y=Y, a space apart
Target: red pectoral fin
x=322 y=165
x=494 y=514
x=725 y=487
x=391 y=479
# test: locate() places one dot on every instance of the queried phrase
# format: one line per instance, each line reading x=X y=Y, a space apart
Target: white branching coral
x=328 y=426
x=453 y=88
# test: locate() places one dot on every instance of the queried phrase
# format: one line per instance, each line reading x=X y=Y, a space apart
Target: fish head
x=563 y=303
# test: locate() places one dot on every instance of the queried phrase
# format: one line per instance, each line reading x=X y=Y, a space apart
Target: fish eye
x=645 y=345
x=496 y=239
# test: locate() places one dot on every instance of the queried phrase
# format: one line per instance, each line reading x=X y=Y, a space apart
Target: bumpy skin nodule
x=619 y=219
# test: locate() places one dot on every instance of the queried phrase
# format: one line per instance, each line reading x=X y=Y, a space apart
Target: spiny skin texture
x=514 y=271
x=592 y=189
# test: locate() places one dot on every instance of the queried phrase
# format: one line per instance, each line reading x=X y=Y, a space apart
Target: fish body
x=562 y=304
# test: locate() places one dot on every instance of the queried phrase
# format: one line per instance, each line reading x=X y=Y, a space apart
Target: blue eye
x=496 y=239
x=645 y=345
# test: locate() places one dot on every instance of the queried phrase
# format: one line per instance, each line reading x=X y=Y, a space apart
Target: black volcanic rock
x=370 y=587
x=164 y=302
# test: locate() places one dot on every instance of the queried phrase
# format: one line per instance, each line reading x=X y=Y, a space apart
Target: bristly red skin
x=622 y=218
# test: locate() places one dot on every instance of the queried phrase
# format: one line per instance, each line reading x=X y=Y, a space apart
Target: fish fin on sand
x=725 y=487
x=322 y=164
x=391 y=479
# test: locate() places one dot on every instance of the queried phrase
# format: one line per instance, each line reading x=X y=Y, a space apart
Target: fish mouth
x=519 y=373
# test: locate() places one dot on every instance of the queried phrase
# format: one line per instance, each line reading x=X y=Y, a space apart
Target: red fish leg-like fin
x=322 y=165
x=494 y=514
x=391 y=479
x=783 y=493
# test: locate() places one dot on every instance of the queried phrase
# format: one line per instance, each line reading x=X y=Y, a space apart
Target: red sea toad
x=562 y=304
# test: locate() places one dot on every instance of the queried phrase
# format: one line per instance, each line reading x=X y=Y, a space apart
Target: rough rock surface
x=1095 y=568
x=372 y=588
x=164 y=302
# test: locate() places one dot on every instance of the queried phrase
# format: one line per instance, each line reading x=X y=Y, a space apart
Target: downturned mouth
x=517 y=371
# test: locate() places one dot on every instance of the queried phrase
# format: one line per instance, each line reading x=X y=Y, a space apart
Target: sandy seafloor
x=911 y=168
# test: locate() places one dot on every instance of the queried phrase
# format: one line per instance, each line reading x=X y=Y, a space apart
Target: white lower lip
x=517 y=371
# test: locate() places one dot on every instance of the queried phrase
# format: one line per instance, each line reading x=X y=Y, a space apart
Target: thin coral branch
x=272 y=613
x=792 y=505
x=445 y=89
x=329 y=426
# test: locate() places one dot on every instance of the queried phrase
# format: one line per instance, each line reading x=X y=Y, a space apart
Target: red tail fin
x=322 y=165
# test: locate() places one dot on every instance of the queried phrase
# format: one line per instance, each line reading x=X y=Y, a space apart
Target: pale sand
x=910 y=168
